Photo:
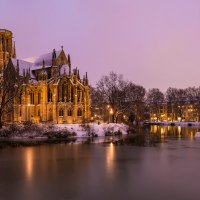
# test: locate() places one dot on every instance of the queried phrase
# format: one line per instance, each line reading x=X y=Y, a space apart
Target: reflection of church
x=51 y=90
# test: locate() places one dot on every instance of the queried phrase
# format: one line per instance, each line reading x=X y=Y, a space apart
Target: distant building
x=186 y=111
x=51 y=90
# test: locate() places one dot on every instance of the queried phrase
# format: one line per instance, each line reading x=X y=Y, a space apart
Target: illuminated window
x=32 y=98
x=69 y=113
x=49 y=95
x=61 y=112
x=39 y=97
x=39 y=113
x=79 y=112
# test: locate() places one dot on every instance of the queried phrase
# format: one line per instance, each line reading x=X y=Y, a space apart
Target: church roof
x=38 y=61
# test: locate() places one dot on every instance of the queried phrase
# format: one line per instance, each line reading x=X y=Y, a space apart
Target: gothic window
x=63 y=92
x=60 y=93
x=39 y=113
x=79 y=112
x=39 y=97
x=20 y=112
x=69 y=112
x=61 y=113
x=31 y=97
x=49 y=95
x=72 y=94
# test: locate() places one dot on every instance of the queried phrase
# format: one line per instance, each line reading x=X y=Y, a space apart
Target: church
x=51 y=91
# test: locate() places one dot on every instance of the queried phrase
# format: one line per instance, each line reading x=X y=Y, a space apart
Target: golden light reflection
x=154 y=129
x=110 y=154
x=191 y=135
x=179 y=131
x=162 y=132
x=29 y=163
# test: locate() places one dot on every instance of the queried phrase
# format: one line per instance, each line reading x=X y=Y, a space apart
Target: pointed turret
x=43 y=73
x=54 y=57
x=78 y=75
x=69 y=62
x=14 y=51
x=17 y=67
x=86 y=79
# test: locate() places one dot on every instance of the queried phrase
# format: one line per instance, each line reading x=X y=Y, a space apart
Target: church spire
x=69 y=63
x=54 y=57
x=86 y=78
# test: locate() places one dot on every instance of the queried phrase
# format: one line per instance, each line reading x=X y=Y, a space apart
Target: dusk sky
x=154 y=43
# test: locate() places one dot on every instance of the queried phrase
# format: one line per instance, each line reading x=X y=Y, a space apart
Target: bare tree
x=9 y=86
x=135 y=95
x=171 y=97
x=193 y=96
x=122 y=96
x=155 y=99
x=112 y=90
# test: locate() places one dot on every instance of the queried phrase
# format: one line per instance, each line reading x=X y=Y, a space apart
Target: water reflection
x=29 y=163
x=110 y=154
x=150 y=136
x=173 y=131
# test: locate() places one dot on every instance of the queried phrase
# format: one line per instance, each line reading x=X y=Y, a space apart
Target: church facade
x=51 y=91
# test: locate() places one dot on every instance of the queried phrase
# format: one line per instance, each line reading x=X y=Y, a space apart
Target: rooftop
x=4 y=30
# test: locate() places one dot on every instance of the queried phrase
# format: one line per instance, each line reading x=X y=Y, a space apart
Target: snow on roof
x=38 y=60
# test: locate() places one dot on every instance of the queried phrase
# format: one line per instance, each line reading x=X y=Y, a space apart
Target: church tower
x=6 y=47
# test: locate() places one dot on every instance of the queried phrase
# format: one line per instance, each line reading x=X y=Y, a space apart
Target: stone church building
x=51 y=90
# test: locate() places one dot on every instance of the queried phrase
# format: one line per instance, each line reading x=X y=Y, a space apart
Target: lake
x=160 y=163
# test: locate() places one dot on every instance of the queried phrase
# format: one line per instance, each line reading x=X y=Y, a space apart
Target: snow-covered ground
x=40 y=131
x=97 y=129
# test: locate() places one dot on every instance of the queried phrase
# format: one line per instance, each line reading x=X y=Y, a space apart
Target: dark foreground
x=164 y=167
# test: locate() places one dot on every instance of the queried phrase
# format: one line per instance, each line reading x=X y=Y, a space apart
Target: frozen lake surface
x=168 y=169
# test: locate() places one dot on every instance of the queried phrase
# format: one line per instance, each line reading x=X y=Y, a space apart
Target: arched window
x=69 y=112
x=39 y=113
x=72 y=94
x=31 y=97
x=79 y=112
x=61 y=112
x=39 y=97
x=49 y=95
x=20 y=112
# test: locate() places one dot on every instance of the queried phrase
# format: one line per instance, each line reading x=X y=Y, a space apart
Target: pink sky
x=155 y=43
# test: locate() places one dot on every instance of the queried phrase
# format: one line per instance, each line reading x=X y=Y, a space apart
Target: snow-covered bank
x=50 y=131
x=197 y=124
x=93 y=128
